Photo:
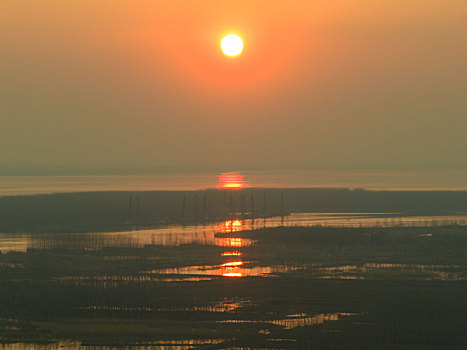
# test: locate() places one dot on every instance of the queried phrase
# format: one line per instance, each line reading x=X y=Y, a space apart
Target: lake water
x=378 y=180
x=206 y=234
x=235 y=265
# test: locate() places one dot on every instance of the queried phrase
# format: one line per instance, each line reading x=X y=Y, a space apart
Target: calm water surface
x=235 y=265
x=377 y=180
x=206 y=234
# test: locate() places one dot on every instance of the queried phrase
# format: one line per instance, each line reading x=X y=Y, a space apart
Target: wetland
x=323 y=281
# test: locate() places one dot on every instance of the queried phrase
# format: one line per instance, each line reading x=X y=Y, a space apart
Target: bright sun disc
x=232 y=45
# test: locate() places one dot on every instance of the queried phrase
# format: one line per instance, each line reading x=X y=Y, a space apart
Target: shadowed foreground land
x=116 y=211
x=359 y=288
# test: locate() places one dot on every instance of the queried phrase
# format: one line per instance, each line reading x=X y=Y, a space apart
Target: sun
x=232 y=45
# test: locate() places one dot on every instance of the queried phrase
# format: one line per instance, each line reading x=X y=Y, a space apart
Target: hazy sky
x=117 y=86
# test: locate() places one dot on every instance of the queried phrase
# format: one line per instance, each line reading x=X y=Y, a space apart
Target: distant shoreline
x=214 y=189
x=426 y=180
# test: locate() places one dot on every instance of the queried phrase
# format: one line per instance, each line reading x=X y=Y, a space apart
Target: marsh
x=241 y=285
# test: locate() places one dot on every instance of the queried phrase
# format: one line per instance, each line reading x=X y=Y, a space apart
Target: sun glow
x=232 y=45
x=233 y=180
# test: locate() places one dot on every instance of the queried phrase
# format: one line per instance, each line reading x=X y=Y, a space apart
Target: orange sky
x=143 y=85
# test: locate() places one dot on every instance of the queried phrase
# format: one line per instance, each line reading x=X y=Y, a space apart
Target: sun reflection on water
x=232 y=274
x=235 y=253
x=232 y=264
x=231 y=180
x=232 y=268
x=234 y=242
x=230 y=226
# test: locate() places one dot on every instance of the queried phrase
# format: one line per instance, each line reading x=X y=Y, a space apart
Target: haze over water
x=422 y=180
